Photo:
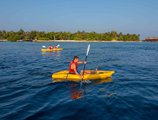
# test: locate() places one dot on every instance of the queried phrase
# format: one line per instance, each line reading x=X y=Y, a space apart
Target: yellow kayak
x=66 y=76
x=51 y=50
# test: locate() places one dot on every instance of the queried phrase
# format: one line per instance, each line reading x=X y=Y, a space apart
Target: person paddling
x=50 y=47
x=74 y=65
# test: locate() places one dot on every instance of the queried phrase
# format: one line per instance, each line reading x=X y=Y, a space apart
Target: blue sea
x=27 y=91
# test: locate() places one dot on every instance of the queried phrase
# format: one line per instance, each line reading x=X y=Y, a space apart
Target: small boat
x=51 y=50
x=64 y=75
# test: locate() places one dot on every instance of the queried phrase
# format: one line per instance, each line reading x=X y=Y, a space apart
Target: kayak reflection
x=103 y=81
x=55 y=54
x=99 y=81
x=76 y=91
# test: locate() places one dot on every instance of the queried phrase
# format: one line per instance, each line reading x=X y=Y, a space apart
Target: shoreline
x=80 y=41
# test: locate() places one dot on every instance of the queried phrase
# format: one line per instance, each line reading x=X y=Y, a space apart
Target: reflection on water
x=54 y=54
x=103 y=81
x=77 y=91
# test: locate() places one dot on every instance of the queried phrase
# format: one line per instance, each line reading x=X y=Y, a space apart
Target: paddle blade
x=88 y=48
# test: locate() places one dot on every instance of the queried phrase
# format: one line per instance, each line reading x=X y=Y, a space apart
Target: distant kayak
x=64 y=75
x=51 y=50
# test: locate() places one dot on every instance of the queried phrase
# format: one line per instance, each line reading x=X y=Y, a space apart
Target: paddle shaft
x=67 y=75
x=84 y=65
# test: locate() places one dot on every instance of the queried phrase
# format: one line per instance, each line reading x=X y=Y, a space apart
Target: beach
x=80 y=41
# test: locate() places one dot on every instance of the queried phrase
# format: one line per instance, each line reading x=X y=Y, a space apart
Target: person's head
x=75 y=59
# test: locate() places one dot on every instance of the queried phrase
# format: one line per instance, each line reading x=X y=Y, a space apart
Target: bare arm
x=74 y=67
x=82 y=62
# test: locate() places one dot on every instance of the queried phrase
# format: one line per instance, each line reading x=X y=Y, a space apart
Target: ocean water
x=27 y=91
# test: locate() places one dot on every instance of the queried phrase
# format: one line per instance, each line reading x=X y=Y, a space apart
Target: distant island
x=36 y=36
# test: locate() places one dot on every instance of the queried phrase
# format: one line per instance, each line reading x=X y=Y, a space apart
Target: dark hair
x=75 y=57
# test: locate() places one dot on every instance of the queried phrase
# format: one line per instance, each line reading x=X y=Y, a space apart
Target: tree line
x=80 y=35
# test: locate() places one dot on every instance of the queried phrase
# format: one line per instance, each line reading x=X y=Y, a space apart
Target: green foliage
x=14 y=38
x=79 y=35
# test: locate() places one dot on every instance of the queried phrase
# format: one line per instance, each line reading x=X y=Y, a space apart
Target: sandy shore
x=79 y=41
x=3 y=40
x=69 y=41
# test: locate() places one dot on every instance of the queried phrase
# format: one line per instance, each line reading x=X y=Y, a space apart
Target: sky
x=126 y=16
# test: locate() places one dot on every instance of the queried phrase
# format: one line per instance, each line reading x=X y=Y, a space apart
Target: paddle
x=88 y=48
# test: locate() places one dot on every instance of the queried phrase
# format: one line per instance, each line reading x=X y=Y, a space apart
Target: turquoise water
x=27 y=91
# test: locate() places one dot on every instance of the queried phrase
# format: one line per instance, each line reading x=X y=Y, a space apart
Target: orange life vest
x=72 y=70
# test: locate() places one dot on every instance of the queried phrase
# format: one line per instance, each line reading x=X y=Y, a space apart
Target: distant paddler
x=43 y=46
x=54 y=47
x=73 y=67
x=58 y=46
x=50 y=47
